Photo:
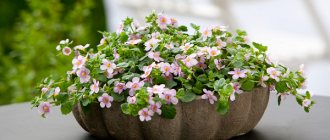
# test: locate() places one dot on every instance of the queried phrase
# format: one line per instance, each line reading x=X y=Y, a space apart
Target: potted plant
x=160 y=82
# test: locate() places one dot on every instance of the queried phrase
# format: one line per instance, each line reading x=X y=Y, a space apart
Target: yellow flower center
x=134 y=85
x=105 y=100
x=83 y=74
x=46 y=109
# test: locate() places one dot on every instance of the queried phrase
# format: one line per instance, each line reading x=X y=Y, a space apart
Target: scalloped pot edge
x=194 y=121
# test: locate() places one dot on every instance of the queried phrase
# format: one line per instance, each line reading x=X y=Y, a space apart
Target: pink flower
x=155 y=56
x=44 y=89
x=120 y=28
x=236 y=86
x=262 y=81
x=44 y=108
x=246 y=39
x=155 y=107
x=153 y=42
x=95 y=87
x=81 y=47
x=303 y=85
x=157 y=89
x=78 y=62
x=57 y=91
x=176 y=69
x=301 y=70
x=237 y=73
x=218 y=64
x=162 y=21
x=155 y=35
x=131 y=100
x=190 y=60
x=147 y=71
x=306 y=102
x=83 y=74
x=186 y=47
x=168 y=77
x=62 y=42
x=169 y=96
x=209 y=95
x=105 y=100
x=165 y=68
x=108 y=66
x=201 y=65
x=206 y=33
x=115 y=54
x=102 y=41
x=214 y=51
x=136 y=84
x=119 y=87
x=268 y=59
x=273 y=73
x=145 y=114
x=169 y=46
x=220 y=44
x=66 y=51
x=110 y=75
x=203 y=51
x=133 y=41
x=174 y=22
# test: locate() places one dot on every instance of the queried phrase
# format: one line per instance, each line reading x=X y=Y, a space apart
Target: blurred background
x=296 y=31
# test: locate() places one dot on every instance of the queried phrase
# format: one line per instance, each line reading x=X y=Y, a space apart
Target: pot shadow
x=91 y=137
x=252 y=135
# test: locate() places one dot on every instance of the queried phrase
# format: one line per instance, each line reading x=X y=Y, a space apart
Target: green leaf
x=218 y=84
x=168 y=111
x=186 y=96
x=260 y=47
x=170 y=83
x=197 y=90
x=241 y=32
x=211 y=76
x=194 y=26
x=247 y=85
x=101 y=78
x=85 y=101
x=66 y=108
x=281 y=87
x=129 y=76
x=226 y=90
x=62 y=97
x=202 y=78
x=118 y=97
x=122 y=65
x=112 y=81
x=223 y=105
x=238 y=63
x=123 y=37
x=125 y=109
x=183 y=28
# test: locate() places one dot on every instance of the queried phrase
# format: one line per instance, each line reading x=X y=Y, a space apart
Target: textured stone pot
x=194 y=121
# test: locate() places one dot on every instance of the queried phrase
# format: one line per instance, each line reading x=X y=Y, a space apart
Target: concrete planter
x=194 y=121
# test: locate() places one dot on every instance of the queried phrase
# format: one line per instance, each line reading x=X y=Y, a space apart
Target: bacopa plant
x=149 y=69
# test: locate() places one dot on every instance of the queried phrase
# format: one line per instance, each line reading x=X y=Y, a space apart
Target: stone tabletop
x=287 y=122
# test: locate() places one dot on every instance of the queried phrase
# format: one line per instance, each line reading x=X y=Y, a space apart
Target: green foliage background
x=30 y=31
